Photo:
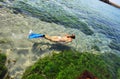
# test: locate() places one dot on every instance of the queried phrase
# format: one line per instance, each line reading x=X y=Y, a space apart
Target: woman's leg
x=47 y=37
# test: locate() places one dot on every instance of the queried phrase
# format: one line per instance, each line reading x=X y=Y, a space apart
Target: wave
x=53 y=12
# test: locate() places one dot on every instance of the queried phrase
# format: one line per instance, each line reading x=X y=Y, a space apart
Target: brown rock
x=87 y=75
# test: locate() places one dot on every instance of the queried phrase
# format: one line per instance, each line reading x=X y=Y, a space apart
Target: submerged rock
x=72 y=65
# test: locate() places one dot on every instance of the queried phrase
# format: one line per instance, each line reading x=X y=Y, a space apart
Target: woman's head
x=71 y=36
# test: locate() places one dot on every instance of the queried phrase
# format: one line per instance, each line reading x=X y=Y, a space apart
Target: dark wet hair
x=72 y=36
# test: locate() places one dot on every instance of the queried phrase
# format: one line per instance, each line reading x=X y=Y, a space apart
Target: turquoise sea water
x=98 y=21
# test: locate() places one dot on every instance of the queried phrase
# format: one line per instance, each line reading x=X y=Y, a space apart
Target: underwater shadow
x=40 y=48
x=59 y=47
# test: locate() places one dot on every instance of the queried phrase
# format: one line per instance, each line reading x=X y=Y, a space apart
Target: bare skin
x=65 y=38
